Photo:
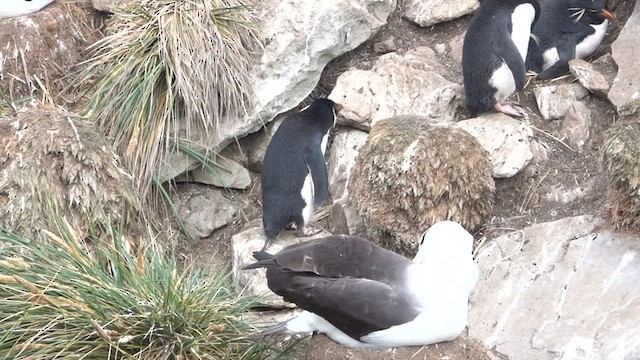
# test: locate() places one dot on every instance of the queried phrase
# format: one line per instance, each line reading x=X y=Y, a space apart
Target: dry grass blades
x=170 y=69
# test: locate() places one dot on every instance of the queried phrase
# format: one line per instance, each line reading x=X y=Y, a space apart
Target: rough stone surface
x=397 y=84
x=175 y=164
x=625 y=91
x=559 y=290
x=342 y=156
x=244 y=243
x=456 y=47
x=301 y=38
x=463 y=348
x=29 y=45
x=554 y=101
x=229 y=174
x=110 y=5
x=256 y=144
x=203 y=209
x=507 y=141
x=589 y=77
x=430 y=12
x=344 y=218
x=576 y=124
x=386 y=46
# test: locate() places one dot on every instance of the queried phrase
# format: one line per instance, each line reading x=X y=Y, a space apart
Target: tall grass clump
x=57 y=302
x=170 y=69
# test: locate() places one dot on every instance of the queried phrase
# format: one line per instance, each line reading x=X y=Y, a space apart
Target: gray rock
x=386 y=46
x=250 y=239
x=554 y=101
x=302 y=37
x=175 y=164
x=589 y=77
x=256 y=144
x=540 y=157
x=109 y=5
x=576 y=125
x=625 y=91
x=562 y=194
x=430 y=12
x=456 y=47
x=342 y=156
x=228 y=174
x=203 y=209
x=344 y=218
x=559 y=290
x=507 y=141
x=397 y=84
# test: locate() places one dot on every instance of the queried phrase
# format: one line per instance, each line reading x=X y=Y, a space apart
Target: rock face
x=411 y=174
x=109 y=5
x=397 y=84
x=559 y=290
x=429 y=12
x=301 y=38
x=576 y=125
x=30 y=44
x=244 y=243
x=463 y=348
x=554 y=101
x=203 y=209
x=342 y=157
x=507 y=141
x=227 y=174
x=589 y=77
x=625 y=91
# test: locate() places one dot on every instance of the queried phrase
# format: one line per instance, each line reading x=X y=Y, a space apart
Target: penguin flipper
x=314 y=159
x=508 y=52
x=566 y=52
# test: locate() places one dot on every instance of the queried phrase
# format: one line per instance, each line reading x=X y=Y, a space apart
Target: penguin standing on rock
x=568 y=29
x=294 y=173
x=494 y=51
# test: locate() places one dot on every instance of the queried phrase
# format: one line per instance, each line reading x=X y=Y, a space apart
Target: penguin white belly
x=502 y=80
x=307 y=195
x=589 y=44
x=323 y=144
x=521 y=19
x=550 y=57
x=11 y=8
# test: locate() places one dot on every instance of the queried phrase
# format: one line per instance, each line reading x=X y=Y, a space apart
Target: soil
x=527 y=198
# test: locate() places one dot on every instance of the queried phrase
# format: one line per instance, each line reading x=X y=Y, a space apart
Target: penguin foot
x=306 y=231
x=291 y=226
x=509 y=108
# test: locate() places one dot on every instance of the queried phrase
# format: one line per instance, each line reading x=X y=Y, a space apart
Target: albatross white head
x=444 y=240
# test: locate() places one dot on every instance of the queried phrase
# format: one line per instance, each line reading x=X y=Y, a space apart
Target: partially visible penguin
x=294 y=173
x=12 y=8
x=493 y=54
x=567 y=29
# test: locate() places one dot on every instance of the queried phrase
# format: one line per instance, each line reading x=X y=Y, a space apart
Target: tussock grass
x=56 y=301
x=170 y=69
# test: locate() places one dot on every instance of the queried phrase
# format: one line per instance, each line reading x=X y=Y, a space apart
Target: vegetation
x=169 y=70
x=57 y=301
x=621 y=160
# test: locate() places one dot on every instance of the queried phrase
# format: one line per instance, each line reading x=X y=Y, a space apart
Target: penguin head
x=591 y=12
x=445 y=241
x=325 y=108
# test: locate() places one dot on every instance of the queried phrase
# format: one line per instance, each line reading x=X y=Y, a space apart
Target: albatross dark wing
x=355 y=306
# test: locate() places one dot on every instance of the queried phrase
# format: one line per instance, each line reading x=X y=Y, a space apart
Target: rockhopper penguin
x=567 y=29
x=494 y=51
x=294 y=173
x=362 y=295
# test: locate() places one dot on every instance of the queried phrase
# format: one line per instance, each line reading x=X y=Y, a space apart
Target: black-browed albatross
x=362 y=295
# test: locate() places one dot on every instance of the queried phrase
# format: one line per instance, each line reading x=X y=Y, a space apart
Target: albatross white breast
x=362 y=295
x=11 y=8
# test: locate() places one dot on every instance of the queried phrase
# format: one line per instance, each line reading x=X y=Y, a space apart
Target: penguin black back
x=494 y=50
x=295 y=152
x=567 y=29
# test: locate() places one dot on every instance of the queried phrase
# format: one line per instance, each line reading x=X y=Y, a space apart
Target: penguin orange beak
x=607 y=14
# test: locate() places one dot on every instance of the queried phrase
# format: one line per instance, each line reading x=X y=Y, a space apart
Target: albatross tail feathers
x=264 y=260
x=272 y=330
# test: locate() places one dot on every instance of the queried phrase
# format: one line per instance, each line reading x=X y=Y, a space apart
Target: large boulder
x=398 y=84
x=430 y=12
x=625 y=91
x=411 y=174
x=559 y=290
x=301 y=38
